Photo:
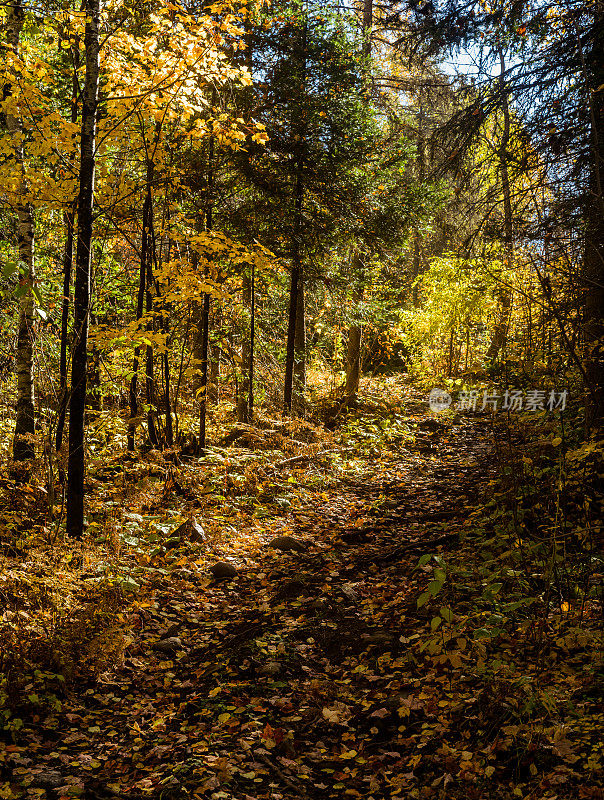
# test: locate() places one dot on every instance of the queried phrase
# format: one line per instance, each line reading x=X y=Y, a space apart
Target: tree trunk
x=242 y=400
x=75 y=481
x=296 y=260
x=140 y=301
x=205 y=314
x=293 y=298
x=23 y=442
x=500 y=333
x=167 y=402
x=250 y=400
x=214 y=374
x=367 y=25
x=300 y=338
x=149 y=359
x=420 y=172
x=593 y=260
x=355 y=332
x=353 y=356
x=203 y=383
x=355 y=335
x=69 y=220
x=165 y=328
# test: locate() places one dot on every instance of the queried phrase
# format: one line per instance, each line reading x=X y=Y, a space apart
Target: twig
x=407 y=548
x=279 y=772
x=308 y=457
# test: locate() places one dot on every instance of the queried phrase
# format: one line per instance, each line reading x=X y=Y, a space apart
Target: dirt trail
x=296 y=678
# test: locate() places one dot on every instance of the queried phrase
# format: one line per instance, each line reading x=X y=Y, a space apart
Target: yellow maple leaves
x=161 y=71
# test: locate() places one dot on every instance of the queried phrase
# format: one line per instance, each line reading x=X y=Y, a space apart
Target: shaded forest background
x=288 y=192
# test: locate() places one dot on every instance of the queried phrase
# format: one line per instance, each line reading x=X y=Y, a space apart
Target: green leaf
x=9 y=268
x=423 y=599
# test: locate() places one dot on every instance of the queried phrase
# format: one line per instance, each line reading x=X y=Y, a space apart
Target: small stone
x=270 y=669
x=170 y=645
x=172 y=543
x=378 y=639
x=294 y=587
x=49 y=780
x=223 y=569
x=197 y=532
x=431 y=424
x=191 y=530
x=172 y=631
x=286 y=544
x=183 y=575
x=349 y=592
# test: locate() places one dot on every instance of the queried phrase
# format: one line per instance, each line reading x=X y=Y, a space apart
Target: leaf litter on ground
x=392 y=654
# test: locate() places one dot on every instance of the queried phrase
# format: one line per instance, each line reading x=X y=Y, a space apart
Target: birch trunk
x=23 y=442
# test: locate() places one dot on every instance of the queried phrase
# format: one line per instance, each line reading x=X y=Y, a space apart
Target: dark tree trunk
x=149 y=359
x=293 y=297
x=140 y=302
x=420 y=170
x=500 y=333
x=367 y=25
x=203 y=383
x=242 y=400
x=300 y=338
x=69 y=220
x=214 y=373
x=77 y=406
x=296 y=244
x=593 y=263
x=205 y=315
x=355 y=332
x=250 y=400
x=167 y=403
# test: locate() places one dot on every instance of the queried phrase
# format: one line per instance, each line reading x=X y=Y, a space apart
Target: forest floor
x=387 y=649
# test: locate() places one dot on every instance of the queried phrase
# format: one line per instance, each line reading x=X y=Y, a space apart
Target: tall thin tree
x=593 y=260
x=355 y=332
x=69 y=221
x=296 y=251
x=205 y=312
x=77 y=405
x=504 y=293
x=23 y=443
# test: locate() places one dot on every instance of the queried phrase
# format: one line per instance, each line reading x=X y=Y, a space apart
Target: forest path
x=297 y=677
